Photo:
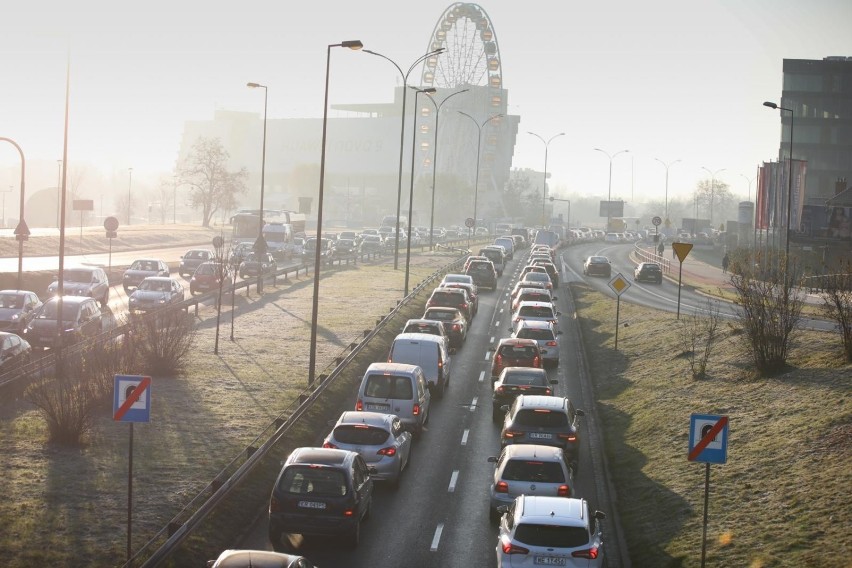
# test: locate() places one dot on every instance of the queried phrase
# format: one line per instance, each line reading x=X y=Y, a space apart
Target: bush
x=836 y=292
x=158 y=342
x=697 y=330
x=67 y=406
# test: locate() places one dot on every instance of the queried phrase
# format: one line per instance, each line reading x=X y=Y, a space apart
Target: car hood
x=71 y=288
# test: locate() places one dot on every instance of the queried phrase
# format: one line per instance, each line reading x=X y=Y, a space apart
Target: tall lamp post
x=129 y=194
x=58 y=189
x=544 y=185
x=712 y=189
x=789 y=176
x=22 y=232
x=260 y=247
x=435 y=160
x=404 y=76
x=355 y=45
x=479 y=127
x=609 y=186
x=667 y=166
x=428 y=91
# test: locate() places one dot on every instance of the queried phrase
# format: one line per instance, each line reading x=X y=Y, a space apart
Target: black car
x=309 y=251
x=483 y=273
x=192 y=259
x=648 y=272
x=320 y=492
x=256 y=264
x=544 y=420
x=597 y=266
x=515 y=381
x=455 y=324
x=345 y=248
x=81 y=318
x=451 y=298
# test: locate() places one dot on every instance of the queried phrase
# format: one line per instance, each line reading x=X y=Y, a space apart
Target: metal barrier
x=650 y=255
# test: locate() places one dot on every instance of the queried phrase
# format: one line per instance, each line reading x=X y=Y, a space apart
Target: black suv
x=649 y=272
x=544 y=420
x=483 y=273
x=321 y=492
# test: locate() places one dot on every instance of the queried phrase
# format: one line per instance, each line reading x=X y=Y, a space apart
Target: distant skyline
x=664 y=79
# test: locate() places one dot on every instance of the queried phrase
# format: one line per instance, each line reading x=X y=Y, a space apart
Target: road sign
x=132 y=399
x=22 y=231
x=619 y=284
x=657 y=221
x=83 y=205
x=111 y=224
x=681 y=250
x=469 y=222
x=708 y=438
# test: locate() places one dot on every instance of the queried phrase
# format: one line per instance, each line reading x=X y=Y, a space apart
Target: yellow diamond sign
x=619 y=284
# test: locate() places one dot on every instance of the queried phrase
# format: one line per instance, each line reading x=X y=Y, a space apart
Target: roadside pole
x=708 y=443
x=681 y=250
x=619 y=285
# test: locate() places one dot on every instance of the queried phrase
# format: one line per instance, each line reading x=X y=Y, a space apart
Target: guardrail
x=651 y=255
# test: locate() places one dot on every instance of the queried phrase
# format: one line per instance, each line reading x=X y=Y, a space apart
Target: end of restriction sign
x=708 y=438
x=132 y=399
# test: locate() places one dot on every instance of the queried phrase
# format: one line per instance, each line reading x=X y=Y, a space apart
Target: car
x=192 y=259
x=433 y=327
x=597 y=266
x=345 y=248
x=483 y=273
x=399 y=389
x=612 y=238
x=208 y=277
x=648 y=271
x=529 y=469
x=533 y=268
x=497 y=256
x=532 y=295
x=258 y=559
x=526 y=285
x=309 y=251
x=381 y=439
x=551 y=268
x=456 y=278
x=545 y=334
x=238 y=254
x=81 y=318
x=535 y=311
x=17 y=309
x=321 y=492
x=140 y=270
x=472 y=258
x=429 y=352
x=514 y=381
x=14 y=352
x=543 y=249
x=472 y=293
x=513 y=352
x=257 y=264
x=542 y=277
x=83 y=281
x=370 y=243
x=549 y=531
x=153 y=293
x=507 y=243
x=451 y=298
x=546 y=420
x=454 y=322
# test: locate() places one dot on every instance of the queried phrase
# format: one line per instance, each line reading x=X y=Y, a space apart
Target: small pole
x=617 y=313
x=130 y=493
x=706 y=502
x=233 y=297
x=679 y=279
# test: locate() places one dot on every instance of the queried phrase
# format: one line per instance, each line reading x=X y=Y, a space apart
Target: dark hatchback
x=544 y=420
x=320 y=492
x=483 y=273
x=648 y=272
x=454 y=322
x=515 y=381
x=451 y=298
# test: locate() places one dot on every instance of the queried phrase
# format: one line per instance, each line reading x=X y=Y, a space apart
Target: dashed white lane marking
x=481 y=376
x=501 y=310
x=492 y=339
x=497 y=323
x=473 y=404
x=487 y=355
x=453 y=480
x=464 y=437
x=437 y=538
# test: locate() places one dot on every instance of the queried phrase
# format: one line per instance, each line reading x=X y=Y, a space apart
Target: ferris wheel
x=471 y=55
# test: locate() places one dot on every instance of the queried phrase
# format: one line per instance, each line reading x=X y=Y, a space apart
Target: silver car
x=17 y=309
x=536 y=311
x=381 y=439
x=142 y=269
x=155 y=292
x=545 y=334
x=258 y=558
x=529 y=469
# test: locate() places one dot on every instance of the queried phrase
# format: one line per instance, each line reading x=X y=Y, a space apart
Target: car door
x=363 y=484
x=403 y=440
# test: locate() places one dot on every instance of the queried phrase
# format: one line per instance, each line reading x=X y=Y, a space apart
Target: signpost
x=469 y=223
x=656 y=221
x=708 y=443
x=111 y=226
x=681 y=250
x=131 y=403
x=619 y=285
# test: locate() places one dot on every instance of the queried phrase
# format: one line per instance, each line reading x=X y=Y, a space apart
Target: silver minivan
x=396 y=388
x=429 y=352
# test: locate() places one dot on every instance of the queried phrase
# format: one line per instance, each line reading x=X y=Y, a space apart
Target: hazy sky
x=665 y=79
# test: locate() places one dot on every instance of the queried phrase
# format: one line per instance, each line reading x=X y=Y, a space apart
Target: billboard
x=819 y=221
x=612 y=209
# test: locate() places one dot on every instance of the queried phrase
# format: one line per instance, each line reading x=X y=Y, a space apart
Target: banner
x=761 y=214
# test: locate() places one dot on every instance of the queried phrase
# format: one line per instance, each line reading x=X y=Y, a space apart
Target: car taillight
x=416 y=410
x=509 y=548
x=568 y=437
x=551 y=344
x=590 y=553
x=498 y=360
x=348 y=512
x=501 y=487
x=329 y=445
x=456 y=327
x=275 y=506
x=359 y=404
x=547 y=391
x=563 y=491
x=536 y=361
x=501 y=389
x=389 y=451
x=513 y=434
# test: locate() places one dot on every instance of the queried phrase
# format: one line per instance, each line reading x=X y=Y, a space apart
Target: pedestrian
x=674 y=254
x=725 y=261
x=661 y=248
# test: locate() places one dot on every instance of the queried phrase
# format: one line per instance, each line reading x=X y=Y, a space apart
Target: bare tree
x=165 y=196
x=836 y=292
x=698 y=335
x=714 y=195
x=211 y=186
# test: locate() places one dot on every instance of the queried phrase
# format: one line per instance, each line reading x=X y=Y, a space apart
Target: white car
x=549 y=531
x=529 y=469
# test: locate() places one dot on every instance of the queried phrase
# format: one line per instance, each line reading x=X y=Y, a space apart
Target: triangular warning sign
x=22 y=229
x=681 y=250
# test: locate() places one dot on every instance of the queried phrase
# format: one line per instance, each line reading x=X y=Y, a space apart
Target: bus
x=245 y=223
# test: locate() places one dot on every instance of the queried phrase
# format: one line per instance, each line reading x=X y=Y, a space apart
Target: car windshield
x=319 y=481
x=360 y=434
x=80 y=276
x=155 y=285
x=541 y=418
x=598 y=260
x=535 y=333
x=11 y=301
x=531 y=470
x=144 y=265
x=50 y=310
x=650 y=268
x=553 y=536
x=389 y=386
x=523 y=379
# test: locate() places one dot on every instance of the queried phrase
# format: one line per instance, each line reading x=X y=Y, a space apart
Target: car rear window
x=541 y=418
x=321 y=481
x=446 y=297
x=534 y=297
x=518 y=351
x=553 y=536
x=389 y=386
x=439 y=315
x=422 y=328
x=521 y=379
x=535 y=312
x=479 y=267
x=360 y=434
x=530 y=470
x=536 y=277
x=533 y=333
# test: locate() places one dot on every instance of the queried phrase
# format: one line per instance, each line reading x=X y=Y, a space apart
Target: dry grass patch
x=781 y=500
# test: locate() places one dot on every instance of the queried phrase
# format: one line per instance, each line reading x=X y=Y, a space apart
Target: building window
x=799 y=82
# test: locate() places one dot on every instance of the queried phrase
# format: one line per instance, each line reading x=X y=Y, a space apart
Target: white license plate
x=377 y=406
x=540 y=436
x=311 y=505
x=549 y=561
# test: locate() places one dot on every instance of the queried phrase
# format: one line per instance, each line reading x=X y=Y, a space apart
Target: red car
x=514 y=352
x=208 y=277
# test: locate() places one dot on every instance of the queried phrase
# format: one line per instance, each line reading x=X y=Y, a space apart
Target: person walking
x=661 y=248
x=725 y=261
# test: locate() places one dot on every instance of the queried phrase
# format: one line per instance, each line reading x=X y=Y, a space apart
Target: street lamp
x=667 y=166
x=789 y=176
x=260 y=244
x=479 y=128
x=22 y=232
x=354 y=45
x=429 y=91
x=435 y=159
x=712 y=190
x=58 y=189
x=404 y=75
x=544 y=188
x=129 y=184
x=609 y=187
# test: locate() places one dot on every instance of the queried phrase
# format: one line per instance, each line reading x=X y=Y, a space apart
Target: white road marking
x=487 y=355
x=496 y=324
x=492 y=340
x=453 y=480
x=464 y=437
x=473 y=404
x=481 y=376
x=437 y=538
x=501 y=310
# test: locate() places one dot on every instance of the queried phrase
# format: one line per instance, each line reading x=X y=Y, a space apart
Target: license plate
x=540 y=436
x=377 y=406
x=311 y=505
x=549 y=561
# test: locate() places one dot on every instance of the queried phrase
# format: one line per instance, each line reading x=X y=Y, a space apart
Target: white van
x=395 y=388
x=429 y=352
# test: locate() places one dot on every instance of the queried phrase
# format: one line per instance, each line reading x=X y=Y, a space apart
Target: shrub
x=698 y=337
x=158 y=342
x=67 y=406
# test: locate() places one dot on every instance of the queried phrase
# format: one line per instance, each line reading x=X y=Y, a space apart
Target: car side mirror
x=600 y=515
x=505 y=408
x=492 y=459
x=580 y=412
x=492 y=349
x=558 y=313
x=503 y=509
x=554 y=298
x=373 y=470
